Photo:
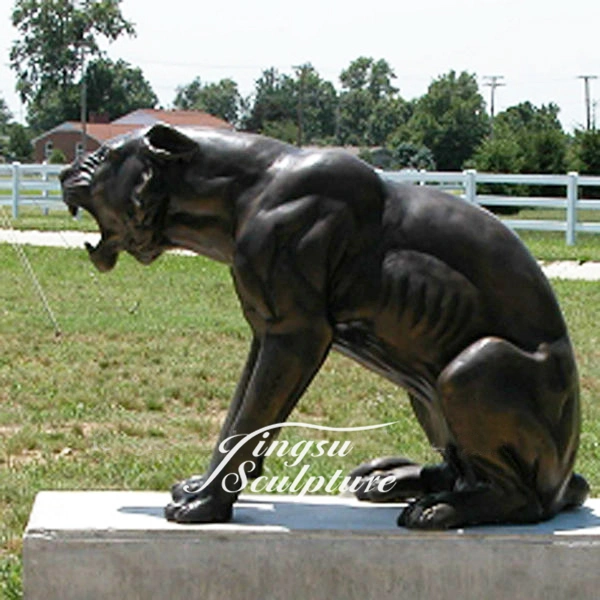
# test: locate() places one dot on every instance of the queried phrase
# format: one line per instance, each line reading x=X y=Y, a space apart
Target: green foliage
x=403 y=155
x=388 y=116
x=116 y=88
x=410 y=156
x=19 y=143
x=5 y=115
x=584 y=157
x=316 y=105
x=273 y=101
x=11 y=587
x=5 y=119
x=57 y=157
x=47 y=55
x=450 y=120
x=304 y=99
x=538 y=132
x=187 y=95
x=370 y=109
x=355 y=109
x=53 y=106
x=373 y=76
x=499 y=154
x=113 y=89
x=586 y=152
x=15 y=144
x=286 y=131
x=526 y=139
x=221 y=99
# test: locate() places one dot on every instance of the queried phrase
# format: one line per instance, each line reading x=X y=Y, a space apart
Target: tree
x=54 y=106
x=539 y=134
x=5 y=115
x=221 y=99
x=450 y=119
x=19 y=143
x=53 y=35
x=188 y=95
x=411 y=156
x=5 y=119
x=586 y=152
x=15 y=143
x=500 y=154
x=367 y=74
x=389 y=115
x=527 y=139
x=116 y=88
x=305 y=100
x=273 y=101
x=316 y=103
x=356 y=106
x=404 y=155
x=370 y=108
x=113 y=89
x=585 y=157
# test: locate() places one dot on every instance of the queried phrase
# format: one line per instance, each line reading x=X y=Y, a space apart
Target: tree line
x=447 y=128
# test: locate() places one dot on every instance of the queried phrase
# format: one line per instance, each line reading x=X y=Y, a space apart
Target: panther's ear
x=167 y=143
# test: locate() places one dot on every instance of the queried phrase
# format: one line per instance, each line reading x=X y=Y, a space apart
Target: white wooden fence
x=38 y=185
x=465 y=185
x=30 y=185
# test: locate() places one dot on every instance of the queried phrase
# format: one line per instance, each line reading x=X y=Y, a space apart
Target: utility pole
x=301 y=72
x=83 y=103
x=588 y=105
x=79 y=5
x=493 y=83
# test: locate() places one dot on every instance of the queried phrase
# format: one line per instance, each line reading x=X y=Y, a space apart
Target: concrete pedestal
x=105 y=545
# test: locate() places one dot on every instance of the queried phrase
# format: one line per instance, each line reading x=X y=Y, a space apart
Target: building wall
x=66 y=141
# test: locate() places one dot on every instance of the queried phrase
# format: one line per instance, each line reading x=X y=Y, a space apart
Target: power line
x=588 y=107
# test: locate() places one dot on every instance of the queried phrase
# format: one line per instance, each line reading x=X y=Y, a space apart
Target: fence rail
x=465 y=186
x=30 y=185
x=38 y=185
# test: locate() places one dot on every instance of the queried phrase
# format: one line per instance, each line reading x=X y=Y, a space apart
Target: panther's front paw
x=200 y=510
x=429 y=513
x=187 y=489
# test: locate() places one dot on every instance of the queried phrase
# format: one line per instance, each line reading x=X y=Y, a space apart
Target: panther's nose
x=65 y=173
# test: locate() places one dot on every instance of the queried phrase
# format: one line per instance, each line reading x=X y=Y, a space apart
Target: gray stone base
x=117 y=545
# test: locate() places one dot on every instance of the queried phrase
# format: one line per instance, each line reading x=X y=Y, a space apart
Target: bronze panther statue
x=429 y=291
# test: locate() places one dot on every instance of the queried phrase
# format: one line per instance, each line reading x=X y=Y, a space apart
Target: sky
x=540 y=47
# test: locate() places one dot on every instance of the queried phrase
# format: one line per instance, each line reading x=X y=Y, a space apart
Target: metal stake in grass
x=29 y=270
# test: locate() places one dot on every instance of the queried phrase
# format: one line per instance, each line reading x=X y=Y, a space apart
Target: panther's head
x=123 y=187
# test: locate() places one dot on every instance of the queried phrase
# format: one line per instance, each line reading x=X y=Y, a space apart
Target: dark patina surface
x=429 y=291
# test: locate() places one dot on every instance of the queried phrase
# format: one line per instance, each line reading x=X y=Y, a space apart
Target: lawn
x=544 y=244
x=132 y=393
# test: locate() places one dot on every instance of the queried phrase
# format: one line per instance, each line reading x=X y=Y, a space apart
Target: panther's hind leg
x=410 y=480
x=514 y=417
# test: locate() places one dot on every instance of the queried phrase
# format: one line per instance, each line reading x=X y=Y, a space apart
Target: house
x=68 y=136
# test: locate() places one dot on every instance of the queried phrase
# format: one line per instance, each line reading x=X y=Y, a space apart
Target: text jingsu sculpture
x=425 y=289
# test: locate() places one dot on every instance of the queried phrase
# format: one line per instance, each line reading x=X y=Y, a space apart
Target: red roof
x=178 y=118
x=143 y=117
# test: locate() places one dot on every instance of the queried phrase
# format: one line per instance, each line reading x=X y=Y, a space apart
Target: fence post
x=572 y=193
x=45 y=194
x=470 y=186
x=16 y=184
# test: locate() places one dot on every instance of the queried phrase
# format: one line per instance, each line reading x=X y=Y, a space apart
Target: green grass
x=132 y=394
x=551 y=246
x=56 y=219
x=545 y=245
